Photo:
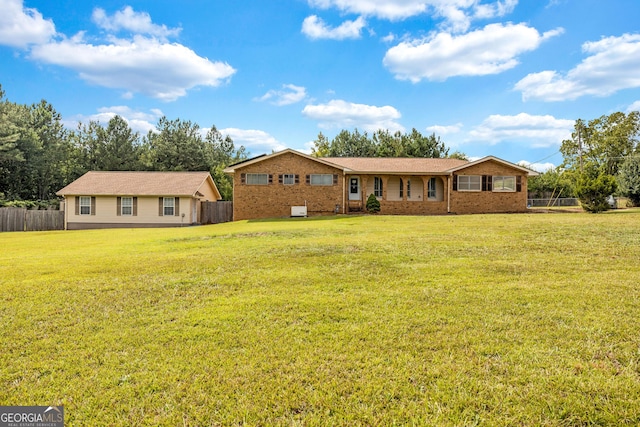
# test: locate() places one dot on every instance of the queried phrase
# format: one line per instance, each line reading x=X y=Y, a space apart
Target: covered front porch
x=398 y=194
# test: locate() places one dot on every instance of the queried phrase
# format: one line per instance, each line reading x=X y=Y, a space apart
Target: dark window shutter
x=119 y=206
x=518 y=183
x=280 y=179
x=484 y=182
x=160 y=206
x=335 y=179
x=135 y=206
x=489 y=183
x=77 y=205
x=455 y=182
x=177 y=206
x=243 y=178
x=297 y=179
x=93 y=206
x=308 y=179
x=270 y=179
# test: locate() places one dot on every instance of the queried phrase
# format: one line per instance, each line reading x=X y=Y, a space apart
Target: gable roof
x=98 y=183
x=395 y=165
x=498 y=160
x=232 y=168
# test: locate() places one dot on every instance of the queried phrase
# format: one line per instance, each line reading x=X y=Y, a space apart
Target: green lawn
x=497 y=320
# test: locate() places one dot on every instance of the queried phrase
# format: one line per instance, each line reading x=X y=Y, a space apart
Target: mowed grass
x=497 y=320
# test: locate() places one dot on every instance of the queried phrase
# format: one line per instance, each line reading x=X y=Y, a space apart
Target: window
x=323 y=179
x=431 y=189
x=469 y=183
x=504 y=183
x=126 y=206
x=401 y=188
x=377 y=186
x=408 y=189
x=168 y=204
x=85 y=205
x=257 y=179
x=288 y=179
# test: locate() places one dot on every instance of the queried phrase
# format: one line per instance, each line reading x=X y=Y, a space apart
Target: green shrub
x=593 y=188
x=373 y=204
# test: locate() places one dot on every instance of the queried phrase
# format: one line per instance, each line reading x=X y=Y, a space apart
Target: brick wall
x=468 y=202
x=275 y=199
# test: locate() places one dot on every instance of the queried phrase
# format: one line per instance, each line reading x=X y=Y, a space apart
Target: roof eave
x=496 y=159
x=231 y=169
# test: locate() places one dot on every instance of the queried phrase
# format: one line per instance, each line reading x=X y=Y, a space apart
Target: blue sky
x=505 y=78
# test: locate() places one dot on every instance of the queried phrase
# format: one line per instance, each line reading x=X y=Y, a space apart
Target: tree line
x=601 y=159
x=382 y=143
x=39 y=156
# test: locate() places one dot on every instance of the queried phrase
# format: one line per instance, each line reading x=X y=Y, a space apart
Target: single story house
x=290 y=183
x=136 y=199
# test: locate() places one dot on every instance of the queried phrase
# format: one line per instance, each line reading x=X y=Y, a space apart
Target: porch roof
x=387 y=165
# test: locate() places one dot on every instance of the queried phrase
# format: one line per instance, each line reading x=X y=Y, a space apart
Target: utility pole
x=580 y=145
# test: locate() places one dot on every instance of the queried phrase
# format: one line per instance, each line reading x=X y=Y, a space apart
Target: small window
x=377 y=186
x=126 y=206
x=401 y=189
x=321 y=179
x=431 y=189
x=408 y=189
x=469 y=183
x=504 y=183
x=257 y=179
x=288 y=179
x=168 y=204
x=85 y=205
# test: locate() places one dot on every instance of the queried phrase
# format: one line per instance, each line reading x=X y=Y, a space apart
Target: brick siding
x=470 y=202
x=275 y=200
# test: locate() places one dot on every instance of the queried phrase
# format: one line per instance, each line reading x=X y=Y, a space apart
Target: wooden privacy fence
x=20 y=219
x=216 y=212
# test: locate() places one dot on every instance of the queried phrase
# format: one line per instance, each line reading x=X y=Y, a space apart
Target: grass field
x=497 y=320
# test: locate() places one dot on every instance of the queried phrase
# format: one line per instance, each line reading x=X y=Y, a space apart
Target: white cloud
x=490 y=50
x=145 y=65
x=342 y=114
x=538 y=167
x=456 y=13
x=611 y=66
x=290 y=94
x=20 y=26
x=444 y=130
x=138 y=121
x=634 y=107
x=315 y=28
x=389 y=38
x=541 y=131
x=255 y=141
x=129 y=20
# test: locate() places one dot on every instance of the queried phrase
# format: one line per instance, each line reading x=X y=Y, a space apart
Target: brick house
x=292 y=183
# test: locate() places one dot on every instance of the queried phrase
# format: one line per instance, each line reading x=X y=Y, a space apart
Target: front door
x=354 y=188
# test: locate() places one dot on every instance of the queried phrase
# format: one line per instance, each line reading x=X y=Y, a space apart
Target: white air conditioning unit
x=298 y=211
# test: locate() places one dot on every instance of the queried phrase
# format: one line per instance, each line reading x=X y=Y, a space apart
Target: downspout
x=344 y=193
x=449 y=193
x=66 y=213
